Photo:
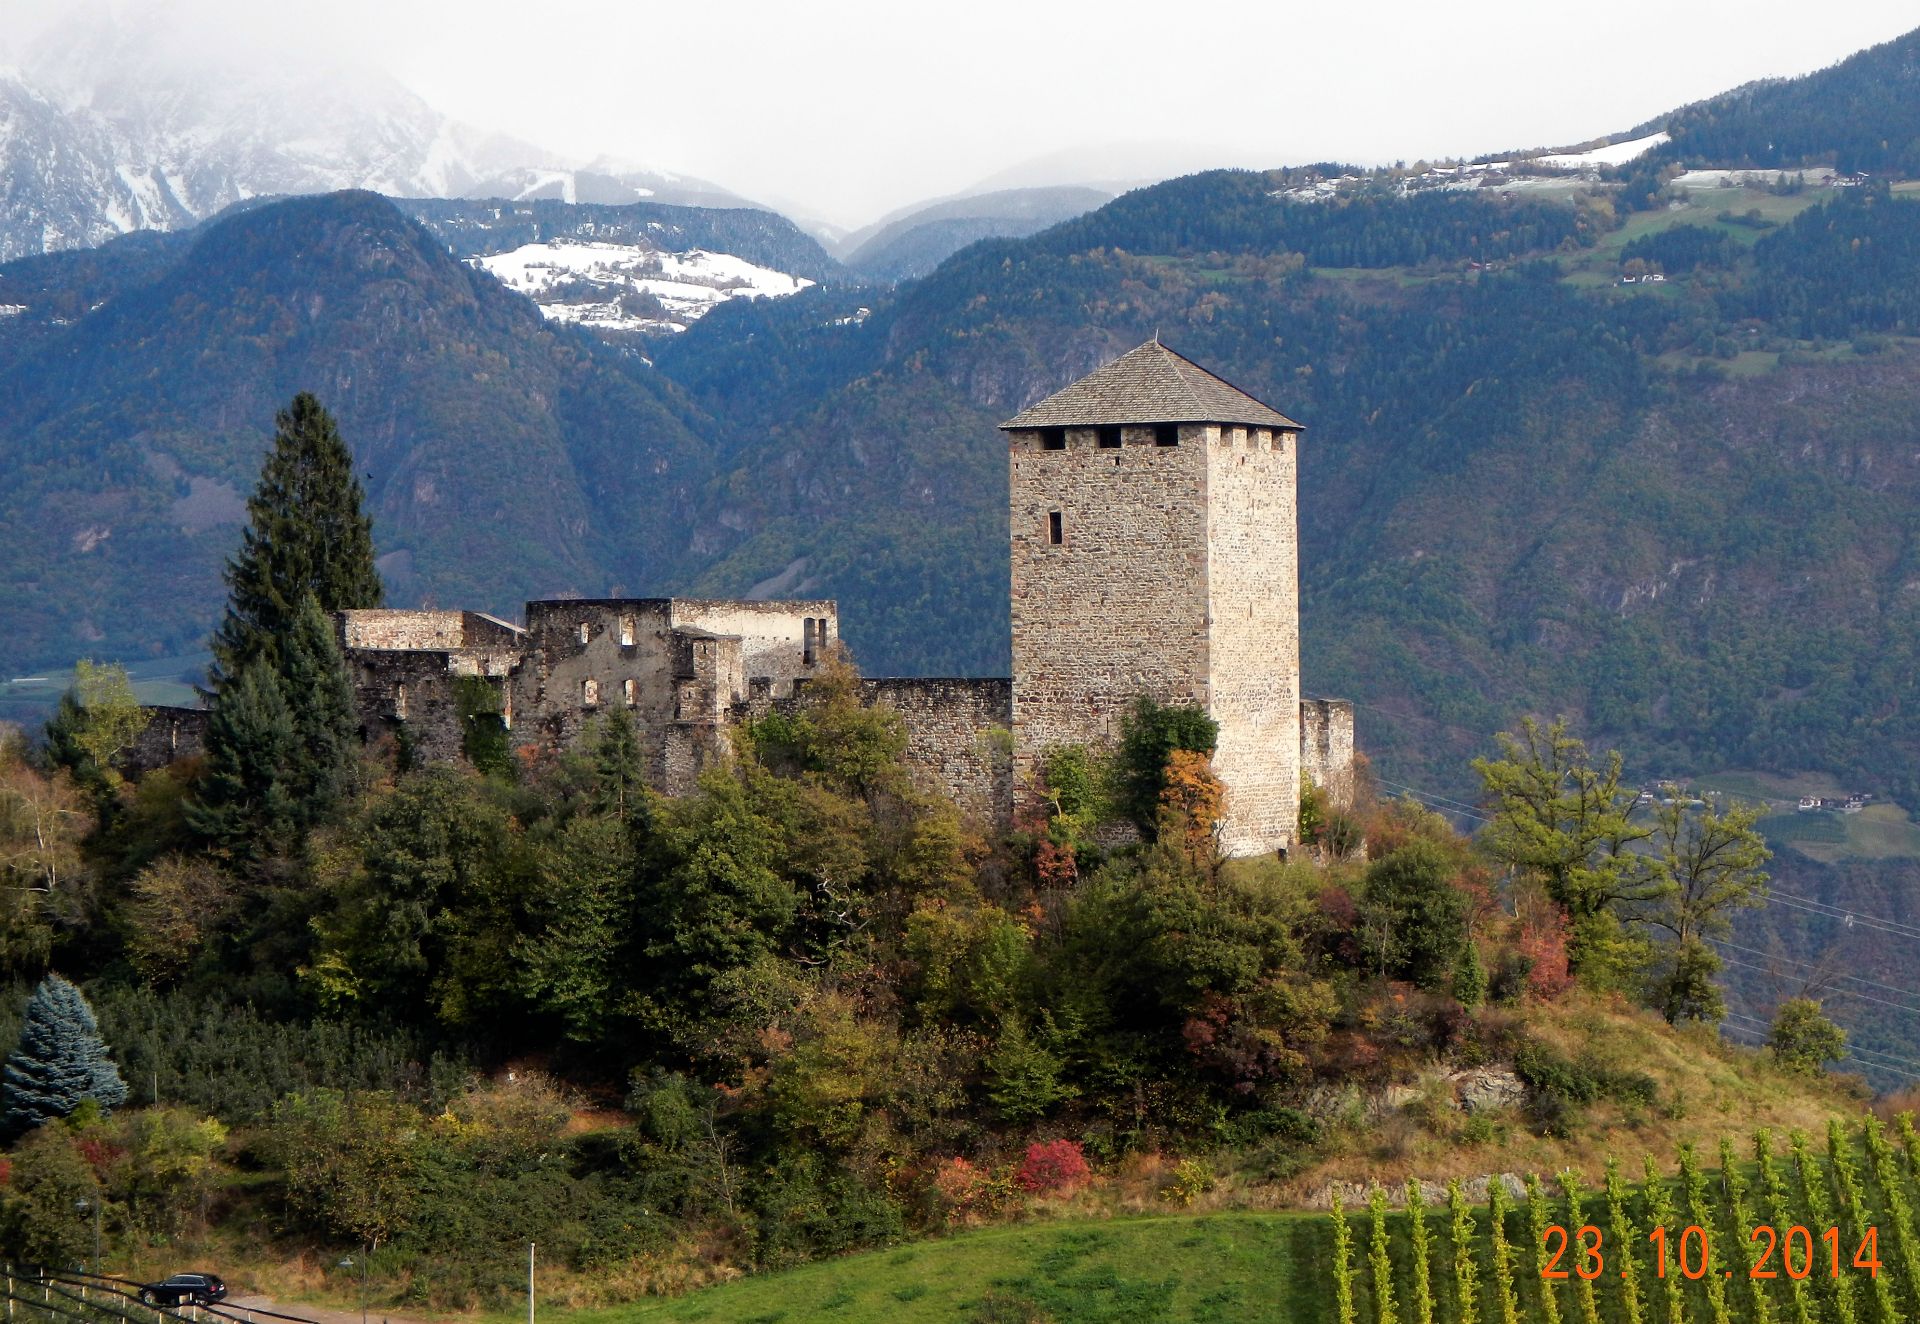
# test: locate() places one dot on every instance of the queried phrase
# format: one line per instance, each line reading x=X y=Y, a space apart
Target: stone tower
x=1155 y=551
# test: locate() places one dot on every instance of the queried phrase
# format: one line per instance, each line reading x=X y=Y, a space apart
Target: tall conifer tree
x=246 y=800
x=320 y=706
x=61 y=1061
x=306 y=535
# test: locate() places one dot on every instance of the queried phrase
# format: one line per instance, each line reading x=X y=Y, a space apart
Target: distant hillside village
x=1155 y=553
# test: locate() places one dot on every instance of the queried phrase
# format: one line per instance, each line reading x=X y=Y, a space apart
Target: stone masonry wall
x=773 y=635
x=956 y=739
x=678 y=667
x=1326 y=747
x=564 y=681
x=1119 y=607
x=1254 y=610
x=384 y=628
x=170 y=733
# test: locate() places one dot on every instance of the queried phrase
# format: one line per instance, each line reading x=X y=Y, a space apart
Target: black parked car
x=185 y=1289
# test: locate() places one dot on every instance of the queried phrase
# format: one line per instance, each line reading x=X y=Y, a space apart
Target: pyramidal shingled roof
x=1151 y=384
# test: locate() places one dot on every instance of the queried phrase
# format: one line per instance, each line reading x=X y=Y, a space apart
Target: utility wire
x=1793 y=960
x=1838 y=993
x=1851 y=1048
x=1841 y=912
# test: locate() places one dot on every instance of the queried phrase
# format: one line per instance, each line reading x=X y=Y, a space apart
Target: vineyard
x=1793 y=1230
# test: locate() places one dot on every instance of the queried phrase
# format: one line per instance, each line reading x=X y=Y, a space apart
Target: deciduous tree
x=1559 y=816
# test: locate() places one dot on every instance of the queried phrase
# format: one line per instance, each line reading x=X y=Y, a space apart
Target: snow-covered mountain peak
x=134 y=122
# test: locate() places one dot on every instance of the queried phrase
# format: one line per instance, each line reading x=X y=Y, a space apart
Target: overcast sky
x=842 y=109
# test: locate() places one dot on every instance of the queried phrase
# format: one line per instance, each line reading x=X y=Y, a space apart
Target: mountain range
x=126 y=126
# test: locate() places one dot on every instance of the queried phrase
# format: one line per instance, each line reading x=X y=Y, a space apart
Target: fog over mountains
x=110 y=128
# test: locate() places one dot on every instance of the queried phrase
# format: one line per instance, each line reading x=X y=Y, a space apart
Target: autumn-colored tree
x=177 y=905
x=98 y=718
x=44 y=817
x=1192 y=801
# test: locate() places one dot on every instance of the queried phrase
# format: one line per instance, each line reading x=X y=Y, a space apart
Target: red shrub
x=1055 y=1168
x=958 y=1184
x=1544 y=943
x=98 y=1153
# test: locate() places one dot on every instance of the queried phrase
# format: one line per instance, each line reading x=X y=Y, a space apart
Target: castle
x=1153 y=529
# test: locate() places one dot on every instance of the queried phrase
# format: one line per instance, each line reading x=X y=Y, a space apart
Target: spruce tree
x=245 y=802
x=306 y=534
x=319 y=697
x=61 y=1061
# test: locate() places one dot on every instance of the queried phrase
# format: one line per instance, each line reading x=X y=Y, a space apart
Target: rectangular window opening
x=630 y=691
x=1109 y=439
x=807 y=642
x=1166 y=434
x=626 y=631
x=1053 y=439
x=586 y=632
x=1056 y=530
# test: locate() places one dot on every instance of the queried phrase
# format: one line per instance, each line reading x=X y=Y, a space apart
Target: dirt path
x=318 y=1314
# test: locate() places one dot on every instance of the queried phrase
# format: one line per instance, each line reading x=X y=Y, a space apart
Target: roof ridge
x=1150 y=383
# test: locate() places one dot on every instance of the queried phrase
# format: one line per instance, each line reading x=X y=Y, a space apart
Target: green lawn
x=1241 y=1267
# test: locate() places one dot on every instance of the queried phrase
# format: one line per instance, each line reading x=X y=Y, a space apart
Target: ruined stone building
x=1154 y=541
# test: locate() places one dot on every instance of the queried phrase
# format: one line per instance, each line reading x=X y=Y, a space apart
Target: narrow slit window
x=1053 y=439
x=586 y=632
x=630 y=691
x=1166 y=434
x=626 y=631
x=1110 y=439
x=590 y=693
x=1056 y=528
x=400 y=702
x=808 y=641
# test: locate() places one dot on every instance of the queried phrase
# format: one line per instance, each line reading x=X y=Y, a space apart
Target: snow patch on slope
x=1612 y=154
x=626 y=287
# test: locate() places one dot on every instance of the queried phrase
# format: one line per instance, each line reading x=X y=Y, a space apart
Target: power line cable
x=1838 y=992
x=1814 y=965
x=1865 y=1056
x=1851 y=918
x=1842 y=912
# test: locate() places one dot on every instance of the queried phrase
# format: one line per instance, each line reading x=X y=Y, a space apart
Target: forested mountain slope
x=1517 y=492
x=138 y=387
x=1862 y=114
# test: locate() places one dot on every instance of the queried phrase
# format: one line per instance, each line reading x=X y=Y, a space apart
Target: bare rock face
x=1487 y=1089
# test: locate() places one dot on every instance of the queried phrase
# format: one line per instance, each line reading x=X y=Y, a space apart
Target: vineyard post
x=1502 y=1261
x=1693 y=1186
x=1884 y=1167
x=1740 y=1229
x=1537 y=1217
x=1466 y=1274
x=1582 y=1287
x=1342 y=1261
x=1660 y=1212
x=1852 y=1199
x=1813 y=1195
x=1781 y=1209
x=1625 y=1240
x=1380 y=1260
